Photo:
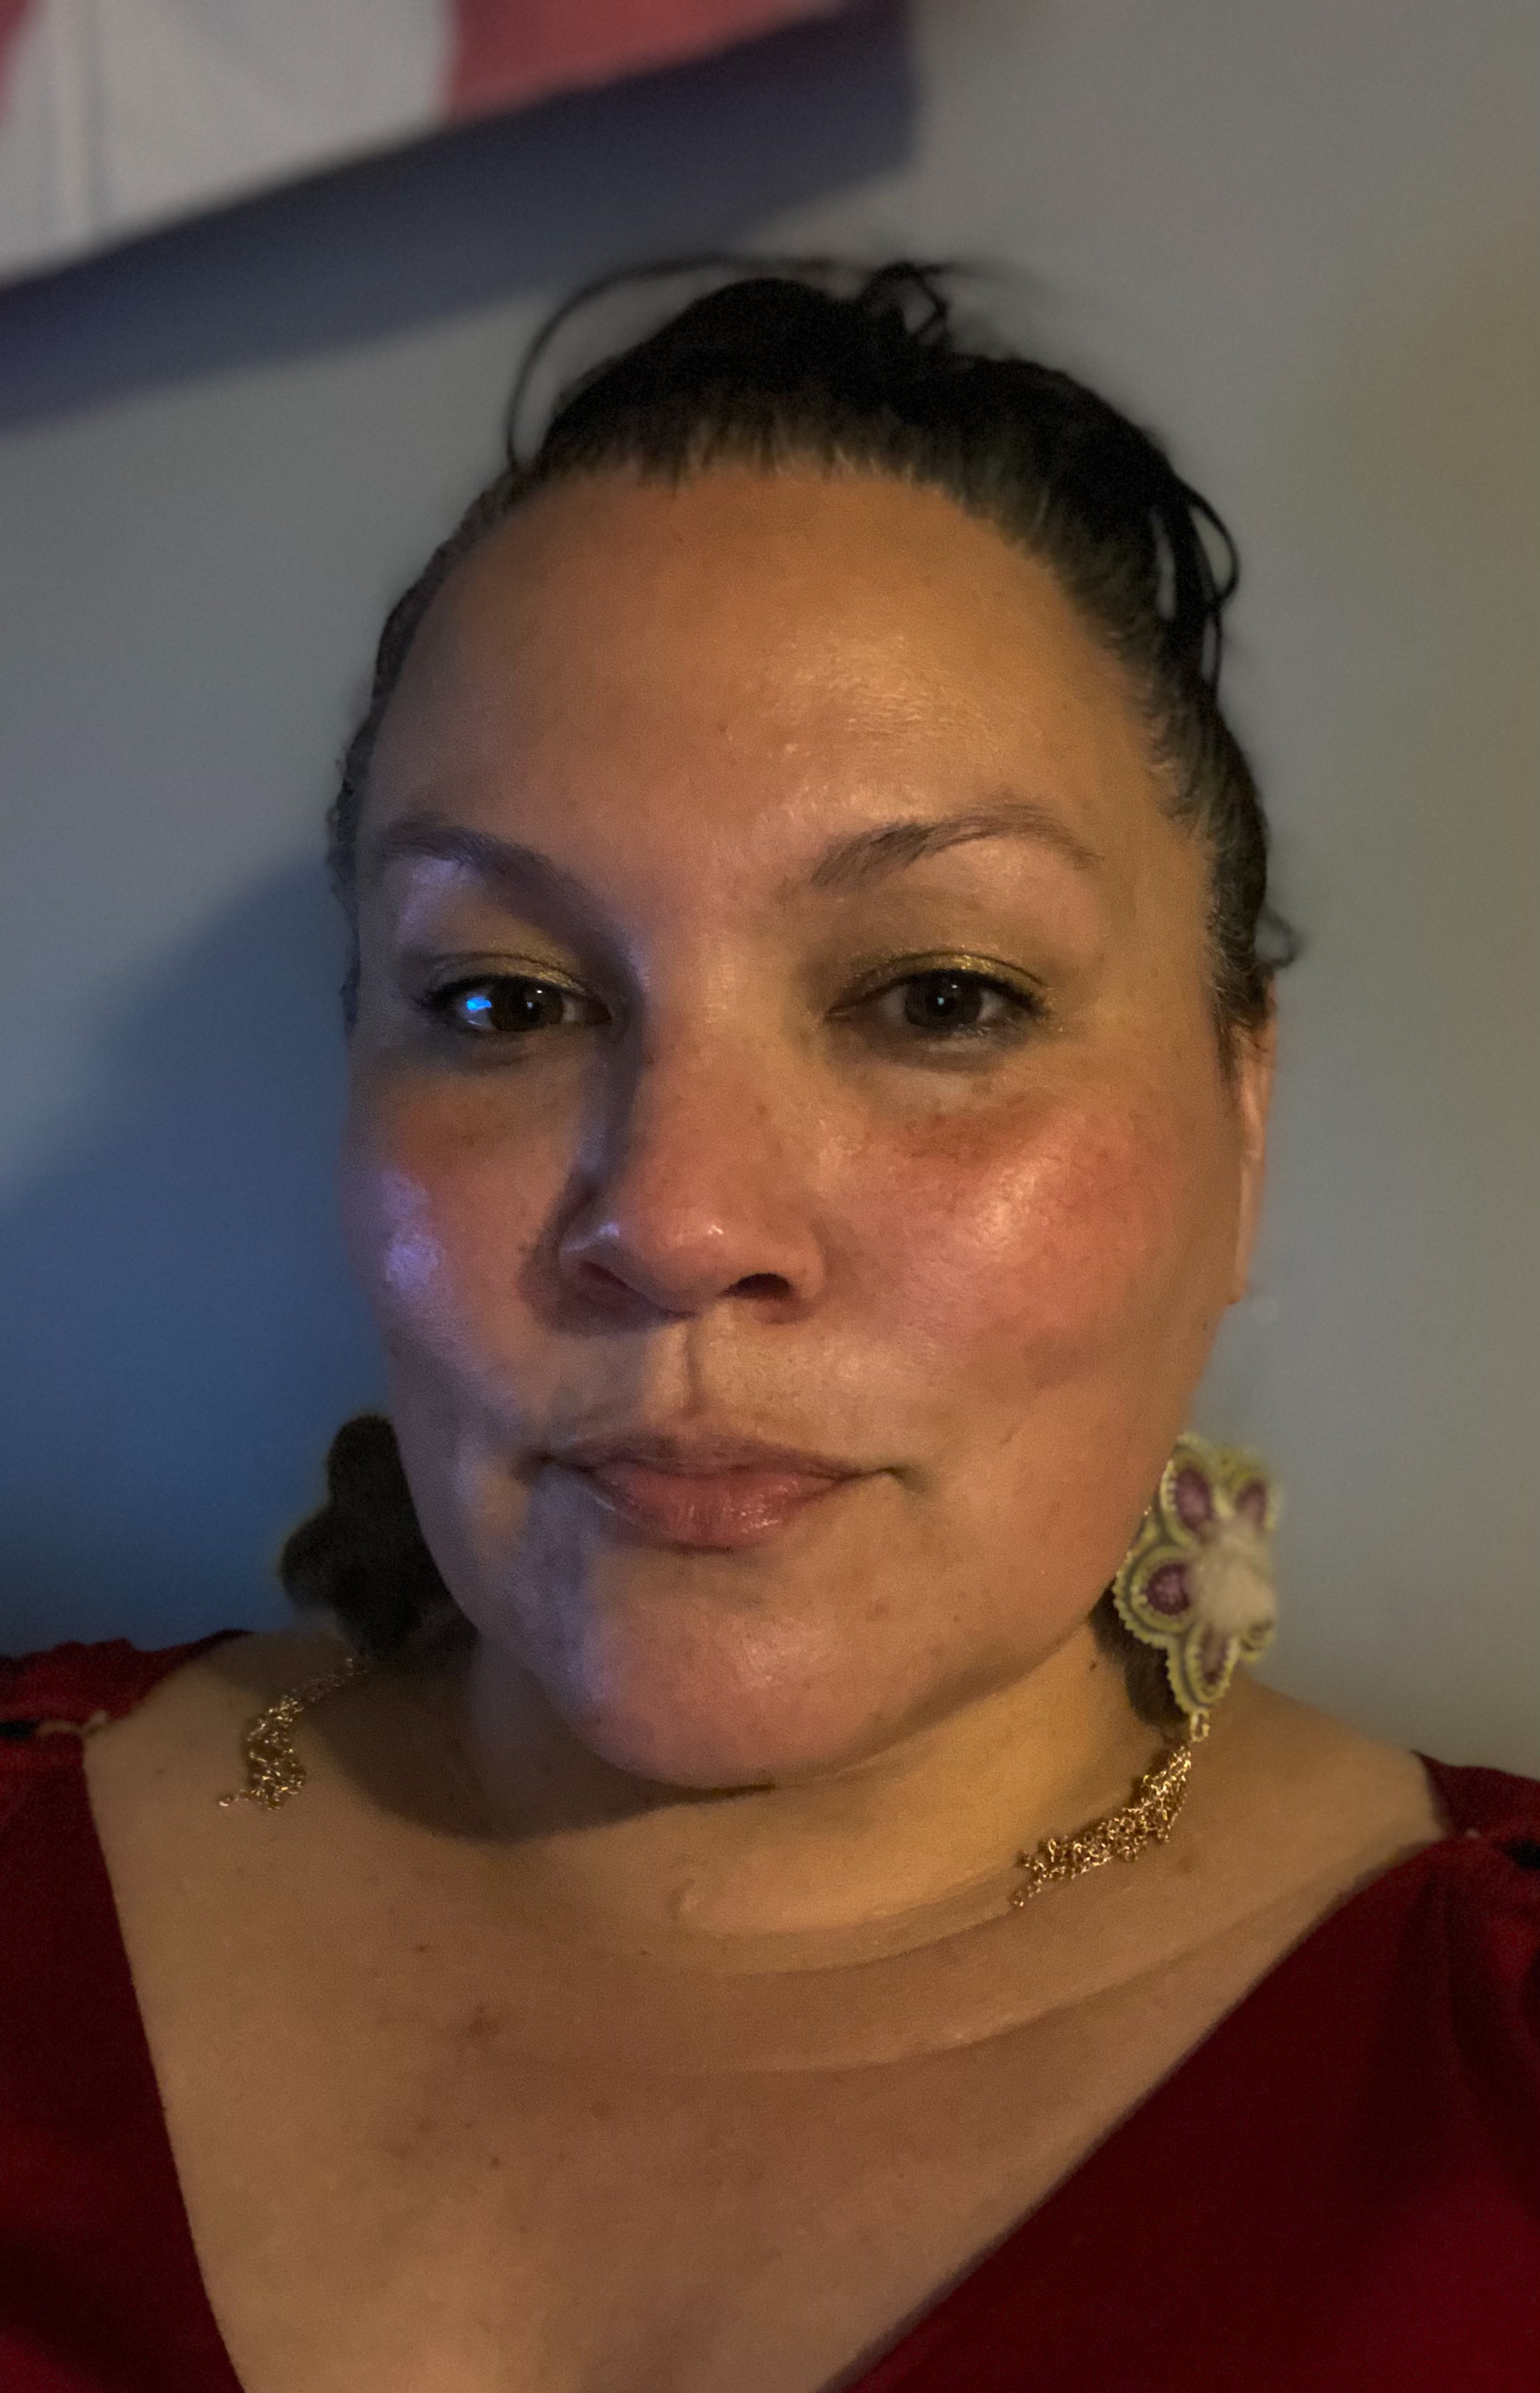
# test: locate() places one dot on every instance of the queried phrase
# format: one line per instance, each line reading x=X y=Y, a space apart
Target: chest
x=423 y=2146
x=389 y=2200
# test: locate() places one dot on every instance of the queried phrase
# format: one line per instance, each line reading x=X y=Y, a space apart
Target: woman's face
x=789 y=1157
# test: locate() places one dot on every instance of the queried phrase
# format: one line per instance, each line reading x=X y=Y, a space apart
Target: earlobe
x=1255 y=1060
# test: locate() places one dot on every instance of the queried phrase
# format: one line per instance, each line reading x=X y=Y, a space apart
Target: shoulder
x=1496 y=1803
x=1433 y=1869
x=100 y=1684
x=1296 y=1750
x=189 y=1708
x=1315 y=1795
x=73 y=1685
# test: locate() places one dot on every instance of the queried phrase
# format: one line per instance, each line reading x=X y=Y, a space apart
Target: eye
x=954 y=1002
x=502 y=1005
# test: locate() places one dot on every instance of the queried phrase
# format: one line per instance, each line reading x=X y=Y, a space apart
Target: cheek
x=441 y=1221
x=1096 y=1228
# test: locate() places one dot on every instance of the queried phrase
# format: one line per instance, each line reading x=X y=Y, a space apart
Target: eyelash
x=1025 y=1007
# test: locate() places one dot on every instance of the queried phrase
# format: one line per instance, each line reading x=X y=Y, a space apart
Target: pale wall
x=1300 y=240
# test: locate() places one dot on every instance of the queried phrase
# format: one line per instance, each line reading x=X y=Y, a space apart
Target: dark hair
x=811 y=366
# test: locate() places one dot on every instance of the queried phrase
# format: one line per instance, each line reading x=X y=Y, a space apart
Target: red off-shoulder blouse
x=1337 y=2190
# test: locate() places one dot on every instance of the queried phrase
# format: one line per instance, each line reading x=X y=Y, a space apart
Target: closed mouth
x=718 y=1493
x=698 y=1456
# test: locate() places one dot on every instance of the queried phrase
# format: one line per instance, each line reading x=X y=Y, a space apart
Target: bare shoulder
x=1327 y=1798
x=250 y=1671
x=191 y=1723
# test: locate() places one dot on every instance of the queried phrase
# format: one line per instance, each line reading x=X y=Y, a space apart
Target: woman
x=810 y=1055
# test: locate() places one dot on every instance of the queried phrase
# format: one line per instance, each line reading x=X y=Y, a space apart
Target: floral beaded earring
x=1197 y=1584
x=1197 y=1580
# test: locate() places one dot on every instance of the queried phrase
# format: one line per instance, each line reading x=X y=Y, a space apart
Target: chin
x=719 y=1713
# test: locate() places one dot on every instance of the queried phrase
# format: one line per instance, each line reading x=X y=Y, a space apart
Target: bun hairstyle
x=810 y=365
x=363 y=1558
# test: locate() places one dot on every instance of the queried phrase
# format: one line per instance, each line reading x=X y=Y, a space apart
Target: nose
x=698 y=1189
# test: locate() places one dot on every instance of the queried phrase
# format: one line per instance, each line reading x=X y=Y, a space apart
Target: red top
x=1338 y=2190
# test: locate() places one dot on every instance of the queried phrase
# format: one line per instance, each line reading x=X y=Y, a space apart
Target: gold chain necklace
x=1147 y=1818
x=274 y=1772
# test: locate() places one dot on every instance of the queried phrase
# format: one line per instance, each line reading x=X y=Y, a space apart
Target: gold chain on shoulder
x=1147 y=1818
x=274 y=1770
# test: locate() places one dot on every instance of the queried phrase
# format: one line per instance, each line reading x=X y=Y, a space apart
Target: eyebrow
x=849 y=864
x=506 y=864
x=890 y=848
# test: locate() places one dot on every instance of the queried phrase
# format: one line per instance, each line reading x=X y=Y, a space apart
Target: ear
x=1251 y=1093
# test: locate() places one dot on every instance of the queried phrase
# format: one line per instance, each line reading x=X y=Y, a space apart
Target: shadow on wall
x=180 y=1336
x=676 y=161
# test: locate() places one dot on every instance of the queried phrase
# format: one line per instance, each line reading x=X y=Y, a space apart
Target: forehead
x=747 y=645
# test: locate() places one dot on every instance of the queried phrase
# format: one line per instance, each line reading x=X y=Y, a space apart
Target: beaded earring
x=1197 y=1580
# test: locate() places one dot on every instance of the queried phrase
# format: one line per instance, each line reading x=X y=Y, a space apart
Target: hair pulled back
x=813 y=366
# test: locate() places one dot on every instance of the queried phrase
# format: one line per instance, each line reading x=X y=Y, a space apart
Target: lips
x=709 y=1494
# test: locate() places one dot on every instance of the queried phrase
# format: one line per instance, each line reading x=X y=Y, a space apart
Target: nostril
x=597 y=1279
x=761 y=1283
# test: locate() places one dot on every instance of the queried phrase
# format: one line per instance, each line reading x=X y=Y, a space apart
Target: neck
x=913 y=1843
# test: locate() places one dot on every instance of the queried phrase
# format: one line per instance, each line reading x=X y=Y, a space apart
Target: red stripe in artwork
x=12 y=12
x=510 y=50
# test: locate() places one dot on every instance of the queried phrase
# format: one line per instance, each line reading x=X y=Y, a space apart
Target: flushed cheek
x=1098 y=1228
